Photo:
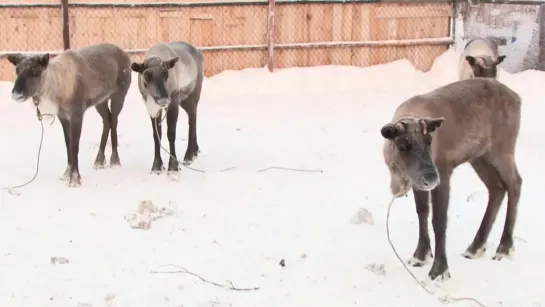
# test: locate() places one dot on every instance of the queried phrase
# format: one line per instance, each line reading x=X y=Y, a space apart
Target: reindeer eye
x=35 y=72
x=404 y=145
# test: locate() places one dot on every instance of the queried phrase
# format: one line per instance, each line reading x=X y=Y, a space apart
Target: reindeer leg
x=104 y=112
x=76 y=121
x=423 y=253
x=65 y=123
x=508 y=171
x=190 y=107
x=157 y=166
x=496 y=193
x=117 y=102
x=440 y=202
x=172 y=121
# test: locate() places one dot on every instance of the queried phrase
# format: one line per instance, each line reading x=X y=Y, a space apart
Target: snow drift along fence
x=237 y=34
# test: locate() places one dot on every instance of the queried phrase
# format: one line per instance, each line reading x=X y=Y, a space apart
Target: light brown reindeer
x=69 y=84
x=474 y=120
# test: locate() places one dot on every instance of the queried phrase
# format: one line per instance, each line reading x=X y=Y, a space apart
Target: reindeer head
x=407 y=154
x=484 y=66
x=29 y=70
x=154 y=73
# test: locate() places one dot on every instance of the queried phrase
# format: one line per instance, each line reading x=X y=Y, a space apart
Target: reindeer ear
x=389 y=131
x=500 y=59
x=15 y=58
x=44 y=59
x=471 y=60
x=433 y=123
x=137 y=67
x=170 y=63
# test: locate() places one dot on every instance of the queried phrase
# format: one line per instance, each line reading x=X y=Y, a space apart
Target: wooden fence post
x=65 y=24
x=270 y=35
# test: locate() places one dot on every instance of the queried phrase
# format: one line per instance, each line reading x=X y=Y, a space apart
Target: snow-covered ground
x=239 y=224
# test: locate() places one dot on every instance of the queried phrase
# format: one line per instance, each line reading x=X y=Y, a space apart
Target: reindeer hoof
x=440 y=276
x=189 y=158
x=439 y=271
x=173 y=165
x=157 y=171
x=99 y=161
x=66 y=175
x=157 y=167
x=420 y=258
x=503 y=252
x=98 y=165
x=190 y=155
x=75 y=181
x=114 y=161
x=474 y=253
x=416 y=262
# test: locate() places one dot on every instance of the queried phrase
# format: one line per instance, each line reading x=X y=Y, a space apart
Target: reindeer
x=67 y=85
x=476 y=121
x=480 y=58
x=170 y=76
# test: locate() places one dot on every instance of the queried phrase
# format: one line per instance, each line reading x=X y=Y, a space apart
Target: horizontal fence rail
x=239 y=34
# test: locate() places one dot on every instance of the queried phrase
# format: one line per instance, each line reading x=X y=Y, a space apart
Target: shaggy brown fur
x=476 y=121
x=70 y=83
x=171 y=77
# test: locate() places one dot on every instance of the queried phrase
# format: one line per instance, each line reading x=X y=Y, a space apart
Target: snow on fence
x=237 y=34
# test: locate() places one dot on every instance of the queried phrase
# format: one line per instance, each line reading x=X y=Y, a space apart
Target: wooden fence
x=237 y=34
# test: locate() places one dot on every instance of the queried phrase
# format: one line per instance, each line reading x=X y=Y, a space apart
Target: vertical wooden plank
x=320 y=28
x=341 y=31
x=174 y=25
x=362 y=30
x=205 y=30
x=291 y=27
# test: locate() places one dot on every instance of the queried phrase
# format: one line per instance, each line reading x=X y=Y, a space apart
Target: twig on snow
x=182 y=270
x=291 y=169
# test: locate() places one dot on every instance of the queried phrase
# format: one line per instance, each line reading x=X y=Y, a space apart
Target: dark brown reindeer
x=480 y=58
x=171 y=77
x=476 y=121
x=67 y=85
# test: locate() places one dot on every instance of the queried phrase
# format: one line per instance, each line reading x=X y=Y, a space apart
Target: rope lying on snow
x=444 y=299
x=229 y=168
x=40 y=119
x=37 y=170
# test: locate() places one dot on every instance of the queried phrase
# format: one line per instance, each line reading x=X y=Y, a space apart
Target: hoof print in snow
x=378 y=269
x=59 y=260
x=83 y=305
x=282 y=263
x=146 y=213
x=363 y=216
